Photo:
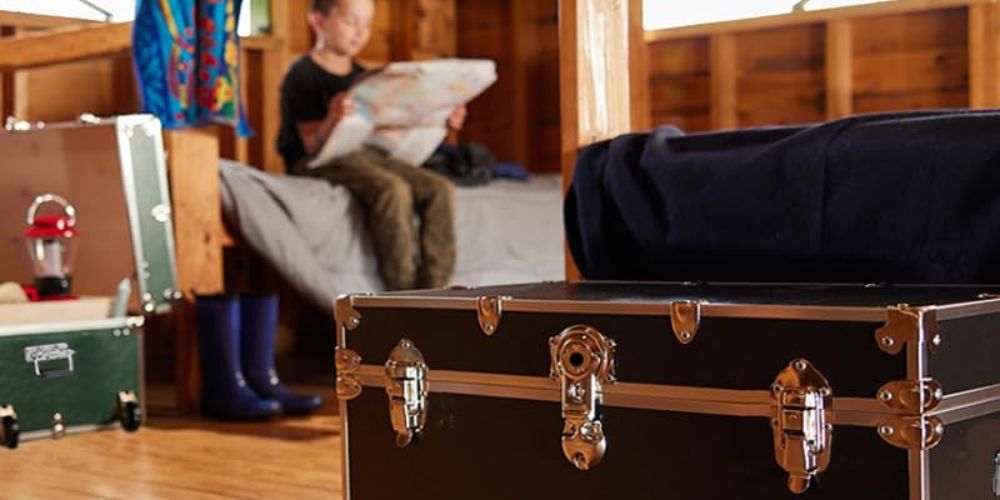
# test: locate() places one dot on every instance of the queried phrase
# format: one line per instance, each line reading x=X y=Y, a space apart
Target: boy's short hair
x=321 y=6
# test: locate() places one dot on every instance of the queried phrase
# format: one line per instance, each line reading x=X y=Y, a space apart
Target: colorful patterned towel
x=186 y=56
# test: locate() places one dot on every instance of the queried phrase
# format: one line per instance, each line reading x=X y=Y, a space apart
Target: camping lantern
x=51 y=246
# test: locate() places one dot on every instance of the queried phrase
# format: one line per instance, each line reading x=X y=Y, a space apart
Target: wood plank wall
x=813 y=71
x=518 y=117
x=58 y=92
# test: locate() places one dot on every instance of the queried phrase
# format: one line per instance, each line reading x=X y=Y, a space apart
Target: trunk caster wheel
x=129 y=411
x=11 y=430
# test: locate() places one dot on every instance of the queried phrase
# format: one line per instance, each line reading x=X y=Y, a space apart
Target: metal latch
x=582 y=360
x=406 y=385
x=50 y=360
x=801 y=432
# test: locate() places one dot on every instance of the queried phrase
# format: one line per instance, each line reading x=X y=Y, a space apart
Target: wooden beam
x=568 y=92
x=261 y=42
x=839 y=77
x=39 y=21
x=404 y=29
x=722 y=82
x=568 y=107
x=595 y=73
x=6 y=81
x=124 y=87
x=193 y=169
x=984 y=56
x=603 y=82
x=288 y=24
x=638 y=53
x=434 y=30
x=807 y=17
x=523 y=44
x=65 y=45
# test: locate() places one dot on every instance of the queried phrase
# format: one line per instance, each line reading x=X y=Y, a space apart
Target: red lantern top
x=51 y=226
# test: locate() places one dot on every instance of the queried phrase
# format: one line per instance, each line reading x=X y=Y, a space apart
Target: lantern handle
x=46 y=198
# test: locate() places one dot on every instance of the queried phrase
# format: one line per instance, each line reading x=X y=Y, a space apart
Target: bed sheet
x=314 y=234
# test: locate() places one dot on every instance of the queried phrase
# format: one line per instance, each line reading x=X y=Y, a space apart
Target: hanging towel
x=186 y=56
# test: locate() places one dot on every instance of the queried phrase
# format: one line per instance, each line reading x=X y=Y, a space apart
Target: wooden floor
x=173 y=457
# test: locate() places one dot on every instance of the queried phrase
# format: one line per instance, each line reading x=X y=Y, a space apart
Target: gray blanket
x=314 y=234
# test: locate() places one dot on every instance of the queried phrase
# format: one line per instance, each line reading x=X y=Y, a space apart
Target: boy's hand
x=340 y=106
x=457 y=118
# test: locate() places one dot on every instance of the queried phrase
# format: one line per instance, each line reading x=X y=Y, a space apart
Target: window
x=118 y=10
x=659 y=14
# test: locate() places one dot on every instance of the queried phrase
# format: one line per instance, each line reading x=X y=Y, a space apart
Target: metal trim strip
x=756 y=311
x=345 y=454
x=128 y=186
x=970 y=397
x=143 y=395
x=70 y=431
x=121 y=124
x=964 y=409
x=73 y=326
x=967 y=309
x=345 y=484
x=743 y=403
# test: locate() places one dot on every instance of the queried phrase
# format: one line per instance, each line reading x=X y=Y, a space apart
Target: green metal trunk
x=71 y=377
x=61 y=373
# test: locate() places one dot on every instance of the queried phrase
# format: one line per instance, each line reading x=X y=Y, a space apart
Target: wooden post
x=522 y=41
x=6 y=82
x=568 y=96
x=289 y=26
x=595 y=75
x=193 y=167
x=638 y=54
x=839 y=77
x=124 y=88
x=984 y=55
x=722 y=82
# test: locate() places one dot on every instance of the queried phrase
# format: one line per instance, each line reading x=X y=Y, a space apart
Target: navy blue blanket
x=902 y=198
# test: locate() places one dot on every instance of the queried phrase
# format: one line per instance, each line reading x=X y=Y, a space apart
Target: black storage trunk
x=671 y=390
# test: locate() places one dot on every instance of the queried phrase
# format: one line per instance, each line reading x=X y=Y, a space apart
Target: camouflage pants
x=391 y=192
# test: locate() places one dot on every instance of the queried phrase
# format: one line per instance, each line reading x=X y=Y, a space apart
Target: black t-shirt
x=305 y=94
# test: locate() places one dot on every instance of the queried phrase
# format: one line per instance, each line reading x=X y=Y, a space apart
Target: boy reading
x=315 y=96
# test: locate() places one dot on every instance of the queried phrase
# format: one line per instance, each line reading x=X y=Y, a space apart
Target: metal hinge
x=345 y=315
x=582 y=359
x=917 y=396
x=685 y=318
x=348 y=363
x=406 y=386
x=488 y=310
x=801 y=433
x=912 y=433
x=908 y=324
x=12 y=124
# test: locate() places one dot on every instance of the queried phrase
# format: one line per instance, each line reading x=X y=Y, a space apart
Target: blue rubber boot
x=226 y=394
x=260 y=324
